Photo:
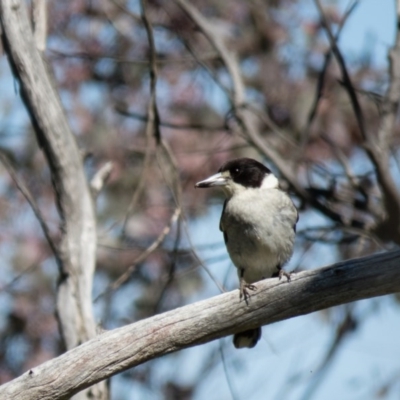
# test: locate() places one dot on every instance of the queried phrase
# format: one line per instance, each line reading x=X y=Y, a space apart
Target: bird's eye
x=237 y=170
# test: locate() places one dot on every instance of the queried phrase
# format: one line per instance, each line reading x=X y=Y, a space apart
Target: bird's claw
x=287 y=275
x=244 y=291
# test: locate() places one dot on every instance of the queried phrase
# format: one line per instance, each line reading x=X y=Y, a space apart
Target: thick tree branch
x=39 y=19
x=274 y=300
x=74 y=201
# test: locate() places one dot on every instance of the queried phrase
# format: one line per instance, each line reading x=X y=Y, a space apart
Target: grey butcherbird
x=259 y=225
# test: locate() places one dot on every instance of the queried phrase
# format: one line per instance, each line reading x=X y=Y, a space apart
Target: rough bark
x=274 y=300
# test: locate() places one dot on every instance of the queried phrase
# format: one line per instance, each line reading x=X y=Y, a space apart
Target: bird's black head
x=241 y=174
x=246 y=171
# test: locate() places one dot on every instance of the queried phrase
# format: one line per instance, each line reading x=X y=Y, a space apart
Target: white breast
x=258 y=224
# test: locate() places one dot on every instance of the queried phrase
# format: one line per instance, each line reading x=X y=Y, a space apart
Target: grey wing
x=297 y=218
x=221 y=226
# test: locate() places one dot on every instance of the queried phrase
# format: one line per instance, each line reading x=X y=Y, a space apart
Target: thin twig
x=346 y=77
x=153 y=119
x=8 y=286
x=232 y=390
x=142 y=179
x=100 y=177
x=166 y=124
x=322 y=74
x=176 y=192
x=154 y=246
x=171 y=269
x=31 y=201
x=154 y=122
x=347 y=326
x=57 y=54
x=153 y=114
x=162 y=145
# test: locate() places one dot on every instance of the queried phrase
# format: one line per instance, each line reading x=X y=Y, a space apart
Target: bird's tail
x=247 y=338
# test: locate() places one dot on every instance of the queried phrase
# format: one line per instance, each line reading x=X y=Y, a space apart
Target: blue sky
x=371 y=27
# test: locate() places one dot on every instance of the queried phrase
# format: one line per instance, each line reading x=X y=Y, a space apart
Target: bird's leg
x=245 y=287
x=282 y=272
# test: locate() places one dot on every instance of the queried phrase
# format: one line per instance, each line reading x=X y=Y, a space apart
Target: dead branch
x=204 y=321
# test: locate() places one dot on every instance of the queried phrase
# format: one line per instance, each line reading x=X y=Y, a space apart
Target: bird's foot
x=285 y=274
x=244 y=290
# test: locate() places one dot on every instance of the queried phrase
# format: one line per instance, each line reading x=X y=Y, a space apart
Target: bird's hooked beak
x=214 y=180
